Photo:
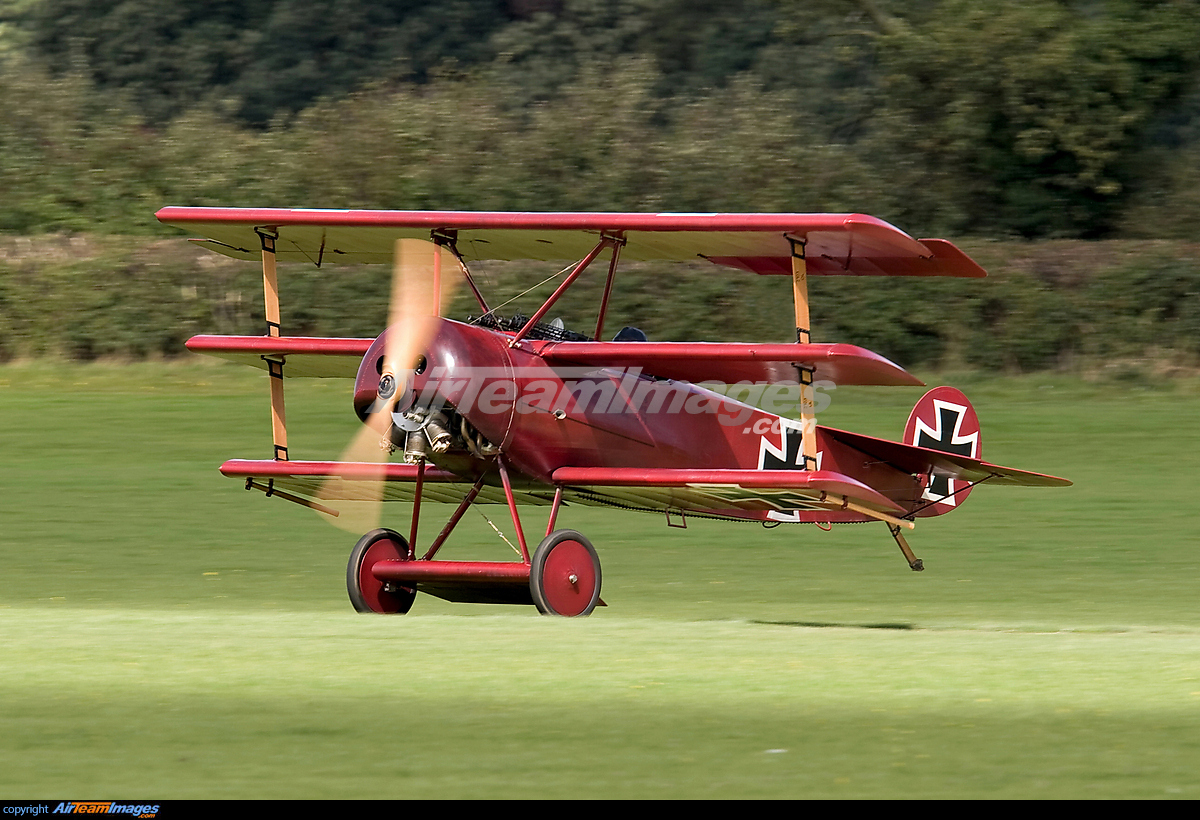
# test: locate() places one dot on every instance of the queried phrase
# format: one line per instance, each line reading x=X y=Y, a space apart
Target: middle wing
x=309 y=356
x=730 y=363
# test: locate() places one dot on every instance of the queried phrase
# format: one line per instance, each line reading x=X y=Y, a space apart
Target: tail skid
x=943 y=444
x=914 y=563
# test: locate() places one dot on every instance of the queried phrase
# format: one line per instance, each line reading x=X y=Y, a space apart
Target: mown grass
x=166 y=634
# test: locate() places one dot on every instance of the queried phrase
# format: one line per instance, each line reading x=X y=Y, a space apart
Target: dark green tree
x=693 y=45
x=1020 y=117
x=256 y=57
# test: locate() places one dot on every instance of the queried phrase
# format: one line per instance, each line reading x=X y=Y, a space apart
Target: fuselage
x=544 y=417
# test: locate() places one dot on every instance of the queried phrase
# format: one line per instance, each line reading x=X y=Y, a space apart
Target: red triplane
x=521 y=411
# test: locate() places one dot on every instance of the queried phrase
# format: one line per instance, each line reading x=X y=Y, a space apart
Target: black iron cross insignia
x=792 y=458
x=946 y=436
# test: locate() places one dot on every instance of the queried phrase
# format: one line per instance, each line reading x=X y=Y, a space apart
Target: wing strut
x=808 y=418
x=268 y=236
x=449 y=239
x=612 y=270
x=605 y=240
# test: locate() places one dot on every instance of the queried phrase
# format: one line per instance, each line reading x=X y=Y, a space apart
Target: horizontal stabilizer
x=305 y=356
x=923 y=460
x=731 y=363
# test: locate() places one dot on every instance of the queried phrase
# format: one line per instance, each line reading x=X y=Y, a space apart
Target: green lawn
x=166 y=634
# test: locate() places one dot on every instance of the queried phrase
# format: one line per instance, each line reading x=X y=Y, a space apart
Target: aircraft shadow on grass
x=833 y=624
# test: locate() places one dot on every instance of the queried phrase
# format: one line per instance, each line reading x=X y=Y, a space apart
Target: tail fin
x=943 y=419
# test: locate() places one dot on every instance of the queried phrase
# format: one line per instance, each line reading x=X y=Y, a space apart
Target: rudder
x=943 y=419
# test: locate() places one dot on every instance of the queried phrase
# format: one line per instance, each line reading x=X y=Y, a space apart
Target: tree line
x=1124 y=307
x=1027 y=118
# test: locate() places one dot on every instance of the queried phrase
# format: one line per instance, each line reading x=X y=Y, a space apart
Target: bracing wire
x=529 y=290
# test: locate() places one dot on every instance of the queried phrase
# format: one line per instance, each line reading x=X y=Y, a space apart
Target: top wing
x=845 y=244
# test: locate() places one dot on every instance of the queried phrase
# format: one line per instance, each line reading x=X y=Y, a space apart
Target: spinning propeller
x=418 y=293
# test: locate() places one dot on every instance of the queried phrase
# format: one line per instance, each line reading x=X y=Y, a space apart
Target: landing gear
x=368 y=593
x=562 y=578
x=564 y=575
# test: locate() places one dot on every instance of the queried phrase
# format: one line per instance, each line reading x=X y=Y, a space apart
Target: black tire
x=563 y=555
x=368 y=593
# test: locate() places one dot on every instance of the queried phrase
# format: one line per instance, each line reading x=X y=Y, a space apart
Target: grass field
x=165 y=634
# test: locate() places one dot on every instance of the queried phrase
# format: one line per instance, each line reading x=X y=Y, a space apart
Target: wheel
x=564 y=578
x=368 y=593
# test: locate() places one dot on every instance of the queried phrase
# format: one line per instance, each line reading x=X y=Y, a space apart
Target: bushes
x=1052 y=305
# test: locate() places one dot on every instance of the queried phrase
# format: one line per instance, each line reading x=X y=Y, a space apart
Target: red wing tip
x=964 y=266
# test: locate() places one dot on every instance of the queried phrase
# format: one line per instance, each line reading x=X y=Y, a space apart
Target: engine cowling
x=461 y=363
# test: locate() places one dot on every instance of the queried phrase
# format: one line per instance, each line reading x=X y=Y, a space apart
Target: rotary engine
x=422 y=425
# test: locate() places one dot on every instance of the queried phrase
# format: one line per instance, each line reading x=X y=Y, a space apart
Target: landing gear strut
x=561 y=578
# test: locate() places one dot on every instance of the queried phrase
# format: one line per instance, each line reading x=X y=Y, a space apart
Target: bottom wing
x=761 y=495
x=350 y=481
x=755 y=495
